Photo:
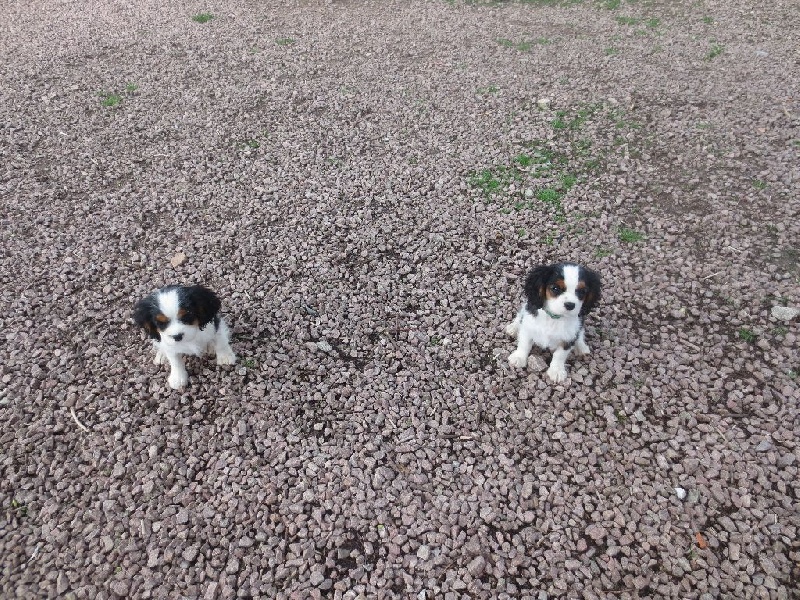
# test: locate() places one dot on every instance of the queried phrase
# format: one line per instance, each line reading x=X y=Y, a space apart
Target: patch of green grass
x=602 y=252
x=622 y=418
x=747 y=335
x=626 y=234
x=653 y=22
x=549 y=196
x=521 y=232
x=110 y=99
x=491 y=181
x=759 y=184
x=506 y=42
x=491 y=89
x=202 y=18
x=611 y=51
x=568 y=180
x=559 y=122
x=287 y=41
x=249 y=363
x=714 y=51
x=627 y=20
x=131 y=87
x=583 y=115
x=549 y=239
x=582 y=147
x=780 y=331
x=708 y=20
x=523 y=160
x=20 y=509
x=792 y=373
x=611 y=4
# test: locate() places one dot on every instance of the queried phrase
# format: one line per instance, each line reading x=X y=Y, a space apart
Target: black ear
x=143 y=315
x=592 y=281
x=536 y=286
x=203 y=303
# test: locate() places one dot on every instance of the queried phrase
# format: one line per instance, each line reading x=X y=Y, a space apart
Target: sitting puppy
x=558 y=297
x=184 y=320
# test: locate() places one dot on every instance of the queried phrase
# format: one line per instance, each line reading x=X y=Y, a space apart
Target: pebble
x=785 y=313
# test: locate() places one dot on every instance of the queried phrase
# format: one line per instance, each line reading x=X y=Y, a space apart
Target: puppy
x=558 y=296
x=184 y=320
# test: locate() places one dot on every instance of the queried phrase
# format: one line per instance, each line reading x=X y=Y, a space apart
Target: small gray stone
x=763 y=446
x=120 y=588
x=477 y=566
x=316 y=578
x=62 y=583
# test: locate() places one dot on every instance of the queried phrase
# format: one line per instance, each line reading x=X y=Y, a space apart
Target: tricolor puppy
x=558 y=298
x=184 y=320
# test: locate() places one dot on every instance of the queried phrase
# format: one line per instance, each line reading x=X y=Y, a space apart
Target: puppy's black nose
x=569 y=305
x=178 y=337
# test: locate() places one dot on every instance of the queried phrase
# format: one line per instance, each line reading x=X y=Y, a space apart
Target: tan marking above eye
x=162 y=318
x=581 y=285
x=181 y=313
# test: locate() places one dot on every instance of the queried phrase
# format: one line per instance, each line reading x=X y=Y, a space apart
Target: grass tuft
x=202 y=18
x=110 y=99
x=629 y=235
x=747 y=335
x=715 y=51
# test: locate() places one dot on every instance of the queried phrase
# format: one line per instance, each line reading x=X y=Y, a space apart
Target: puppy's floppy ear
x=536 y=286
x=143 y=314
x=203 y=303
x=592 y=281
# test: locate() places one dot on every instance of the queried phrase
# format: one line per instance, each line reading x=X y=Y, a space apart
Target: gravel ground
x=365 y=184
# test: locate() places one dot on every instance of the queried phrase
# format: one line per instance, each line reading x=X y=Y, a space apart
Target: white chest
x=550 y=333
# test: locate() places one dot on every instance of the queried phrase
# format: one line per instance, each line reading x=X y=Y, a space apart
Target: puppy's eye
x=187 y=317
x=580 y=293
x=162 y=325
x=555 y=289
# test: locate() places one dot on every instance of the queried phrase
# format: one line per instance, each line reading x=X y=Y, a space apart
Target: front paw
x=517 y=359
x=159 y=358
x=581 y=349
x=556 y=374
x=512 y=329
x=177 y=379
x=226 y=357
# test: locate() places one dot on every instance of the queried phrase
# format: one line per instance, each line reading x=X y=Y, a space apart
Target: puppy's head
x=175 y=314
x=562 y=289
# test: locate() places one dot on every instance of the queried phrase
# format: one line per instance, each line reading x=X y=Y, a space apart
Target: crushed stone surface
x=365 y=185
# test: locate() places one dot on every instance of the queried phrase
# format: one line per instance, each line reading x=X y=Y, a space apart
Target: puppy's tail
x=513 y=328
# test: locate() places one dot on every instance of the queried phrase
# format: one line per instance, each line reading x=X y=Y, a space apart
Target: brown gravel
x=328 y=168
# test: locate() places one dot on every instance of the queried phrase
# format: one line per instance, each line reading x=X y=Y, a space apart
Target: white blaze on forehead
x=571 y=277
x=169 y=303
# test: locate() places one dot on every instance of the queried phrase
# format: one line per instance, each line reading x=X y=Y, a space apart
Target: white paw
x=159 y=358
x=556 y=374
x=225 y=357
x=177 y=379
x=512 y=328
x=581 y=349
x=518 y=360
